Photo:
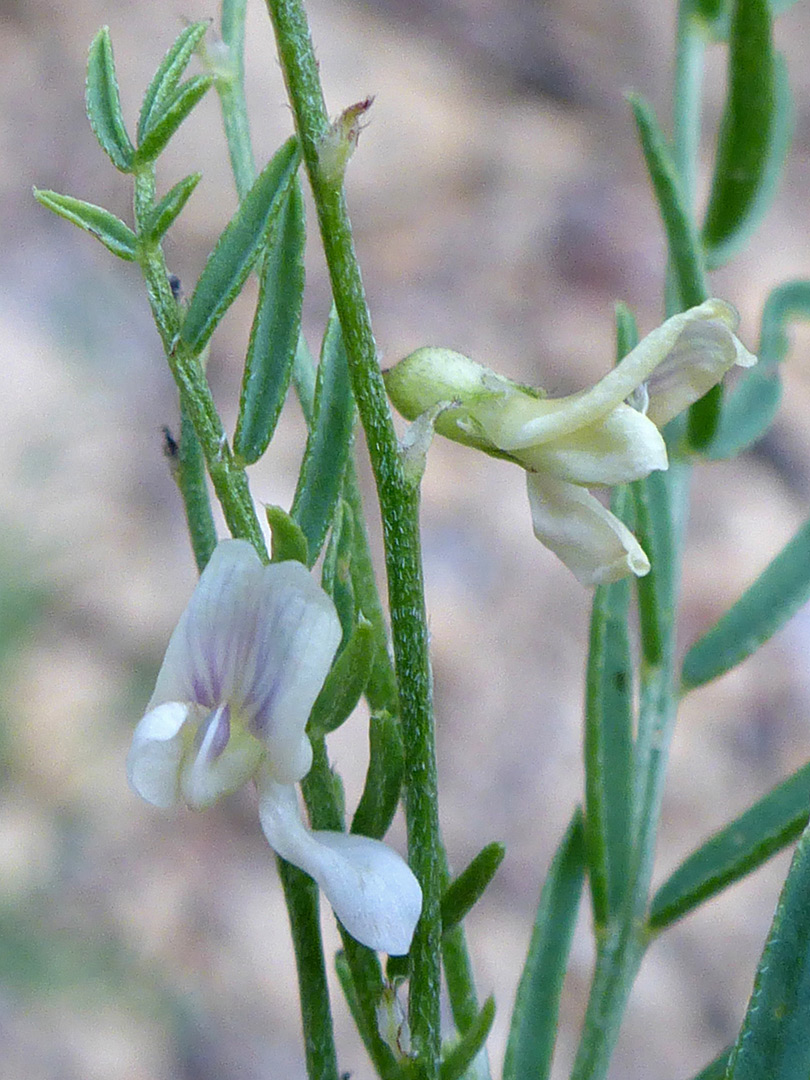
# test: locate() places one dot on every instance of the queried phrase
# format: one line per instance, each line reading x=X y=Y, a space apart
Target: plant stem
x=231 y=90
x=687 y=94
x=301 y=895
x=227 y=476
x=399 y=504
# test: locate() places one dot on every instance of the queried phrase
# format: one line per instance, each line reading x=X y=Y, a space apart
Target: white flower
x=592 y=438
x=233 y=696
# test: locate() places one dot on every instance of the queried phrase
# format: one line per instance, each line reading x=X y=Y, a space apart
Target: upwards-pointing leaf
x=238 y=247
x=167 y=77
x=104 y=103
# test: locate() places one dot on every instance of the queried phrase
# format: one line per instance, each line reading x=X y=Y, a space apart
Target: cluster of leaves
x=601 y=843
x=267 y=234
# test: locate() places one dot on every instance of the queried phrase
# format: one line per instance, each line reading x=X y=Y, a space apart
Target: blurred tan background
x=501 y=207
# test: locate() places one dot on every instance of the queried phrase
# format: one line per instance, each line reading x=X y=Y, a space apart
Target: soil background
x=501 y=206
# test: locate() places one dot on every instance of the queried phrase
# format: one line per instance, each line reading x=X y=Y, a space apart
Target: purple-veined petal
x=595 y=546
x=622 y=447
x=371 y=889
x=205 y=658
x=220 y=761
x=296 y=637
x=154 y=758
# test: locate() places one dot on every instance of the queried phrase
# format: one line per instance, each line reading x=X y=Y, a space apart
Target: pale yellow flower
x=595 y=438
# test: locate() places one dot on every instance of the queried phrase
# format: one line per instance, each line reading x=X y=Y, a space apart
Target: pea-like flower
x=233 y=696
x=595 y=438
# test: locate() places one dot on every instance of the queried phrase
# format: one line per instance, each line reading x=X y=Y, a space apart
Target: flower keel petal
x=371 y=889
x=595 y=546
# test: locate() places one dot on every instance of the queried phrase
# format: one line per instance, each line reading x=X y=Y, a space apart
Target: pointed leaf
x=467 y=889
x=773 y=1040
x=104 y=103
x=275 y=333
x=750 y=409
x=747 y=131
x=238 y=247
x=336 y=576
x=609 y=749
x=288 y=542
x=328 y=444
x=345 y=683
x=534 y=1020
x=386 y=766
x=764 y=608
x=682 y=240
x=462 y=1054
x=172 y=114
x=165 y=213
x=106 y=227
x=168 y=75
x=738 y=849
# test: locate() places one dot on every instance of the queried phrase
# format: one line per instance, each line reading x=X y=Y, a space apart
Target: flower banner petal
x=595 y=546
x=296 y=637
x=371 y=889
x=205 y=657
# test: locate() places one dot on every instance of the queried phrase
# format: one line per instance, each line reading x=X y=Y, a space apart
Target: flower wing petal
x=207 y=650
x=595 y=546
x=622 y=447
x=371 y=889
x=155 y=754
x=297 y=635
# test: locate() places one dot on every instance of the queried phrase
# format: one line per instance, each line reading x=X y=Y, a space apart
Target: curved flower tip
x=370 y=887
x=595 y=546
x=239 y=679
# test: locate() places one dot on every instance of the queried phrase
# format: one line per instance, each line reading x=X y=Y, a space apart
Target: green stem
x=301 y=895
x=688 y=91
x=399 y=504
x=621 y=950
x=227 y=476
x=231 y=90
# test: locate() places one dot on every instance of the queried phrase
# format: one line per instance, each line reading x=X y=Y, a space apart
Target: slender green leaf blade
x=462 y=1054
x=747 y=130
x=275 y=333
x=466 y=890
x=751 y=408
x=533 y=1029
x=682 y=240
x=345 y=683
x=328 y=444
x=106 y=227
x=104 y=103
x=172 y=114
x=765 y=828
x=773 y=1041
x=386 y=766
x=168 y=75
x=238 y=247
x=763 y=609
x=165 y=213
x=609 y=749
